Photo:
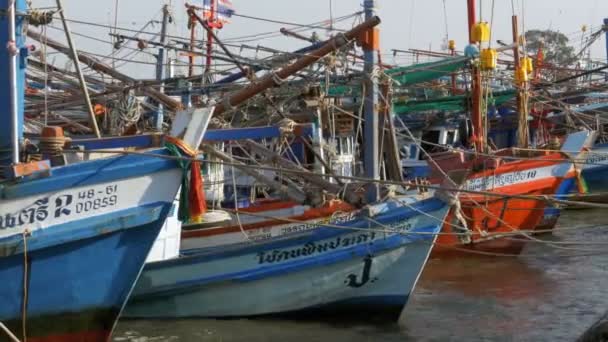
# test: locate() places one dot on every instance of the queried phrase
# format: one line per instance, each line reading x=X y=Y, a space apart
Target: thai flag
x=224 y=10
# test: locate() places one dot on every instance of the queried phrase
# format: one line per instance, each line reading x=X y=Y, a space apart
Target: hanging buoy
x=481 y=32
x=521 y=75
x=489 y=59
x=526 y=63
x=451 y=45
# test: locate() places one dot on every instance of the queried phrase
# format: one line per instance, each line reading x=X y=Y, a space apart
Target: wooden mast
x=521 y=96
x=477 y=137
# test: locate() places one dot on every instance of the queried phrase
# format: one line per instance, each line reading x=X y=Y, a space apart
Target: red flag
x=196 y=198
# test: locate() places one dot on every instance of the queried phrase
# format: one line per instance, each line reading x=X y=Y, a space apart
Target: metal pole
x=606 y=30
x=371 y=160
x=83 y=83
x=12 y=37
x=160 y=61
x=471 y=18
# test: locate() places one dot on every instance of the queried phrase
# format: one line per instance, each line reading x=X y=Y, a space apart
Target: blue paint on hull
x=304 y=271
x=596 y=172
x=552 y=214
x=90 y=173
x=94 y=272
x=392 y=212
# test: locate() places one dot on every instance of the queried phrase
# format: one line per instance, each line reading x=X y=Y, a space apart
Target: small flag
x=196 y=198
x=223 y=11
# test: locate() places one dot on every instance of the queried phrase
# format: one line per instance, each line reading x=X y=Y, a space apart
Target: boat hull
x=596 y=169
x=595 y=175
x=320 y=271
x=263 y=223
x=75 y=291
x=72 y=245
x=497 y=225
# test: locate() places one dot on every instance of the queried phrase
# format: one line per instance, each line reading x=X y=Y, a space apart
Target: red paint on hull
x=311 y=214
x=495 y=221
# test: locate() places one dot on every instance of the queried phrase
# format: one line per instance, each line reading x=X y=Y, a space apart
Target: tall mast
x=606 y=30
x=211 y=21
x=12 y=43
x=160 y=67
x=371 y=160
x=82 y=81
x=521 y=96
x=477 y=136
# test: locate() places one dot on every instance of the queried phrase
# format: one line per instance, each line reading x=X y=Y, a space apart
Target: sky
x=420 y=24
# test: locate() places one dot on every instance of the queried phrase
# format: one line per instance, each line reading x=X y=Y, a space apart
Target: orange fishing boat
x=502 y=201
x=501 y=198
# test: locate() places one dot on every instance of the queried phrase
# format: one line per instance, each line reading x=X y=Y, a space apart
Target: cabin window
x=451 y=138
x=430 y=139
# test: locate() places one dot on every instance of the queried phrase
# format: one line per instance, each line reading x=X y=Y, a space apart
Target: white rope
x=8 y=333
x=277 y=79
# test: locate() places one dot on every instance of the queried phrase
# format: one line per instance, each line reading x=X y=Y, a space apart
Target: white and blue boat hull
x=72 y=245
x=323 y=270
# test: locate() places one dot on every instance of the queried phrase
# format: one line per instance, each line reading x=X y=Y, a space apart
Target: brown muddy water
x=549 y=293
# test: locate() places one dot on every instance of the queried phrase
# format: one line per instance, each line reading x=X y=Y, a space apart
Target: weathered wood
x=392 y=161
x=83 y=83
x=99 y=66
x=275 y=78
x=41 y=80
x=70 y=122
x=40 y=65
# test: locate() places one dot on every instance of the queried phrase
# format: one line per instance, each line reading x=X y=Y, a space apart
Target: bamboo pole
x=83 y=83
x=97 y=65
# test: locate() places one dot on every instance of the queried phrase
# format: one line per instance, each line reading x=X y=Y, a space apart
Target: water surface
x=549 y=293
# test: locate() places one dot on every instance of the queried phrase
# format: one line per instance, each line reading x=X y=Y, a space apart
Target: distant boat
x=359 y=268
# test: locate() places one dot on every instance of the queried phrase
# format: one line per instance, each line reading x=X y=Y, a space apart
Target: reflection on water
x=548 y=295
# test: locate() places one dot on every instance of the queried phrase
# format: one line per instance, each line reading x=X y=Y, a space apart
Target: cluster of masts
x=332 y=90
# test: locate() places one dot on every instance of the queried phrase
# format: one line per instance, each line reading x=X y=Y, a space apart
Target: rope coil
x=277 y=79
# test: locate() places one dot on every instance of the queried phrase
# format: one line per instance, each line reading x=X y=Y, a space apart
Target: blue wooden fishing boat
x=74 y=234
x=352 y=262
x=356 y=263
